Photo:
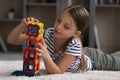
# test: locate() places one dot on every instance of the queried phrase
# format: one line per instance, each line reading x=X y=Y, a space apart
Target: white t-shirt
x=73 y=48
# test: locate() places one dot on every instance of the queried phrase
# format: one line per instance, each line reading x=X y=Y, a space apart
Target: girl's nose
x=59 y=27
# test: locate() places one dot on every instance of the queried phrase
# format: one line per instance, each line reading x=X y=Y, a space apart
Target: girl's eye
x=66 y=27
x=58 y=20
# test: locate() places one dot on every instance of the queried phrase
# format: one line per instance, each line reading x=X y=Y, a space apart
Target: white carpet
x=7 y=67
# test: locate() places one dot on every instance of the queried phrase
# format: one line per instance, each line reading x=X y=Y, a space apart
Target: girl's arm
x=51 y=67
x=61 y=67
x=16 y=36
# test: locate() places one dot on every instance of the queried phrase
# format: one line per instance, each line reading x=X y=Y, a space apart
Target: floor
x=11 y=56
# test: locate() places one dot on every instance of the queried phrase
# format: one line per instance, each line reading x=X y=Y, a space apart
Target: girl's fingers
x=39 y=50
x=31 y=19
x=24 y=20
x=39 y=54
x=41 y=46
x=36 y=20
x=44 y=42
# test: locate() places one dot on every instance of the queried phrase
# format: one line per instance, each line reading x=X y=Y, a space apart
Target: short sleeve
x=45 y=33
x=48 y=32
x=74 y=47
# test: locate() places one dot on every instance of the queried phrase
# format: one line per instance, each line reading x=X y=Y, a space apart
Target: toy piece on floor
x=31 y=61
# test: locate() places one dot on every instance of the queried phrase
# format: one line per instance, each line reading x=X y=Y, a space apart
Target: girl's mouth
x=56 y=31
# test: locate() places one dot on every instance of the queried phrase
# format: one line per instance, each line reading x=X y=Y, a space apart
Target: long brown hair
x=81 y=18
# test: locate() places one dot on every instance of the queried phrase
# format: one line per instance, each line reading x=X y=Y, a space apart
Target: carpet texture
x=7 y=67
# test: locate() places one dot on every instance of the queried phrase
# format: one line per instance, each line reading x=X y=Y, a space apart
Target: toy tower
x=31 y=61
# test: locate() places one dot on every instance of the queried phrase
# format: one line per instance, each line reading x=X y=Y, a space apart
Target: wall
x=107 y=21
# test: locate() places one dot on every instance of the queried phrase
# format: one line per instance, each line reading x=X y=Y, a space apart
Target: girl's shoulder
x=75 y=41
x=74 y=47
x=49 y=30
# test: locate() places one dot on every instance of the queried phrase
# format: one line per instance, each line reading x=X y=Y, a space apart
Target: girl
x=62 y=50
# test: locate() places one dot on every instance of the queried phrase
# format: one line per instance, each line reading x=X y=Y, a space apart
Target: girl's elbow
x=9 y=40
x=60 y=72
x=56 y=72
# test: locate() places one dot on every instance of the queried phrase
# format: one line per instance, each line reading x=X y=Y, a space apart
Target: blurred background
x=103 y=31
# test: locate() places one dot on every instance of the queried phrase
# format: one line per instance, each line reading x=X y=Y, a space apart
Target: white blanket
x=7 y=67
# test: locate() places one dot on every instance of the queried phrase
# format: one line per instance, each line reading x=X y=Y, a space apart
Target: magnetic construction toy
x=31 y=61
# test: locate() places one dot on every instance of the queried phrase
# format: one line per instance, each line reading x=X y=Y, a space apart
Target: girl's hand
x=26 y=20
x=42 y=50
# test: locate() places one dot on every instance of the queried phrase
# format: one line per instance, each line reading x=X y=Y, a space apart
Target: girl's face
x=65 y=27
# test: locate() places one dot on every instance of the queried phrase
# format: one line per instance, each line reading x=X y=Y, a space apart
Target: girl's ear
x=78 y=33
